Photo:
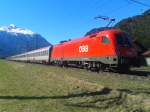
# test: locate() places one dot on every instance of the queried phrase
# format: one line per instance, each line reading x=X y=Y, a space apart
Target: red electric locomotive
x=108 y=49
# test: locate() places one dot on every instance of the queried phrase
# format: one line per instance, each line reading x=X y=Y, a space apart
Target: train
x=111 y=49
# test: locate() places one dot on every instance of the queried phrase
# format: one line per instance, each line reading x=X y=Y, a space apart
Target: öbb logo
x=84 y=48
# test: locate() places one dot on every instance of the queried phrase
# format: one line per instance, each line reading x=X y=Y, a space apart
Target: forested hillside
x=138 y=27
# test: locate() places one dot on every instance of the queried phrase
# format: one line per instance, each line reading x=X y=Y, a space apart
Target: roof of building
x=147 y=53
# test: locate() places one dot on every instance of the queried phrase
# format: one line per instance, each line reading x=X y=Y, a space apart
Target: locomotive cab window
x=105 y=40
x=124 y=40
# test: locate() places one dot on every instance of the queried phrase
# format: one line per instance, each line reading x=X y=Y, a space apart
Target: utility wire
x=118 y=9
x=101 y=7
x=141 y=3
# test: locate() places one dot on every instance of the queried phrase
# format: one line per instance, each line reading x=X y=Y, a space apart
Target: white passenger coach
x=39 y=56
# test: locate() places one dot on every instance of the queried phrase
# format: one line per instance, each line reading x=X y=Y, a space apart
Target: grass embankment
x=39 y=88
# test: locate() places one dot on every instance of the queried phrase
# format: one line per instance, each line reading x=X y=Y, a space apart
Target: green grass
x=40 y=88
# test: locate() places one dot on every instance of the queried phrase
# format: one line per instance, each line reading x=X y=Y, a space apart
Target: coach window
x=105 y=40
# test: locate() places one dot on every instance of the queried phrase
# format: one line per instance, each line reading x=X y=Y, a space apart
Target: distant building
x=147 y=57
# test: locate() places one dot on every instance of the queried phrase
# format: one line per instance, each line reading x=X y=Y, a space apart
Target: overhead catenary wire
x=118 y=9
x=141 y=3
x=100 y=5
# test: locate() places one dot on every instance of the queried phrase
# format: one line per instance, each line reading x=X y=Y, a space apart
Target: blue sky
x=58 y=20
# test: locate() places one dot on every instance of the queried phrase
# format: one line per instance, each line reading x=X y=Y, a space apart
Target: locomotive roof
x=92 y=35
x=96 y=30
x=147 y=54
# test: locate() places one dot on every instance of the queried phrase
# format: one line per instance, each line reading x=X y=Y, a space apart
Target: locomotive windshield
x=124 y=40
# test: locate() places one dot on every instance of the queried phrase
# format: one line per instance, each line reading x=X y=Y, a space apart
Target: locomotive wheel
x=102 y=67
x=99 y=67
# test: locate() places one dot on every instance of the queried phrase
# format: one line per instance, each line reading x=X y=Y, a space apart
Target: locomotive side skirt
x=110 y=60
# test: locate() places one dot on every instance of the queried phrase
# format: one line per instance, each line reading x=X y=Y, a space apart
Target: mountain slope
x=15 y=40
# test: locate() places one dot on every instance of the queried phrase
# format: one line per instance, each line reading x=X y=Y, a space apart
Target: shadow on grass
x=135 y=91
x=105 y=103
x=25 y=97
x=103 y=92
x=101 y=103
x=138 y=73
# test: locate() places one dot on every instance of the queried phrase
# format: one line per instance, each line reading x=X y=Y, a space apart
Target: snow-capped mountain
x=16 y=30
x=15 y=40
